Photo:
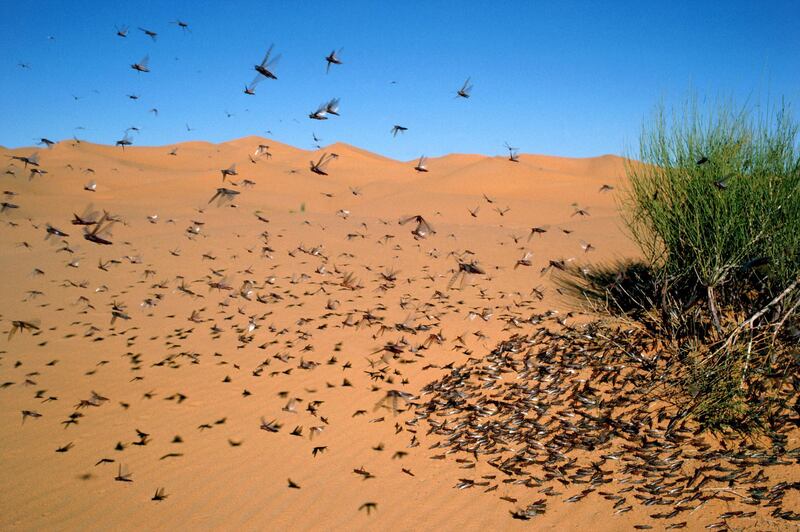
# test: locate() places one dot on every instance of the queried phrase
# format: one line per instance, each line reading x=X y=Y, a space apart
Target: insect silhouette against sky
x=398 y=129
x=333 y=59
x=265 y=68
x=465 y=90
x=141 y=66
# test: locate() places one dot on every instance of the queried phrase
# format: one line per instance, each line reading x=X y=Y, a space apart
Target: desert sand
x=344 y=305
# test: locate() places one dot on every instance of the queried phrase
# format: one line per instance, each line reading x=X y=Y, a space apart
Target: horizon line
x=37 y=147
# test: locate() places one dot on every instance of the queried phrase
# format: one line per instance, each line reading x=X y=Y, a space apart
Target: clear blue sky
x=562 y=78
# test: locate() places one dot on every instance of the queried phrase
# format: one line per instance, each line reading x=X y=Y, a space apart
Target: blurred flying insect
x=263 y=149
x=251 y=88
x=87 y=217
x=332 y=107
x=184 y=26
x=398 y=129
x=421 y=165
x=537 y=231
x=54 y=231
x=4 y=206
x=266 y=66
x=32 y=159
x=149 y=33
x=100 y=232
x=319 y=166
x=465 y=269
x=22 y=326
x=127 y=140
x=513 y=156
x=229 y=171
x=118 y=312
x=392 y=400
x=580 y=211
x=141 y=66
x=319 y=114
x=422 y=229
x=333 y=59
x=223 y=195
x=525 y=260
x=464 y=91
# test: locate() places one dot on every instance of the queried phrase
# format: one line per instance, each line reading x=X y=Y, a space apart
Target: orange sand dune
x=209 y=381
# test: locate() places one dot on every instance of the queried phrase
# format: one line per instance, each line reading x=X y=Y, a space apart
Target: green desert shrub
x=714 y=202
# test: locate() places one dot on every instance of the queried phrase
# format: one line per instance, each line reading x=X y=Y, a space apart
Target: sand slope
x=210 y=380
